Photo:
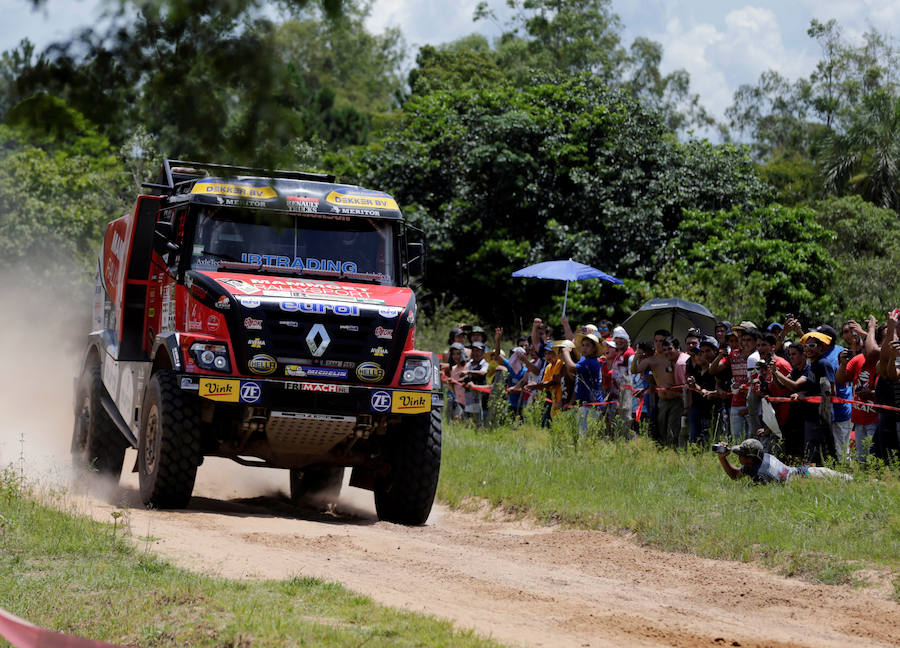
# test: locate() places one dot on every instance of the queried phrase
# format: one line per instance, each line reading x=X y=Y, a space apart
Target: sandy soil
x=513 y=581
x=518 y=583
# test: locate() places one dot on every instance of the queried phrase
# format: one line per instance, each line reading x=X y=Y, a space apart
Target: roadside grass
x=820 y=530
x=74 y=575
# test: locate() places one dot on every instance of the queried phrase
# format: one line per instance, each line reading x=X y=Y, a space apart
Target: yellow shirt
x=554 y=390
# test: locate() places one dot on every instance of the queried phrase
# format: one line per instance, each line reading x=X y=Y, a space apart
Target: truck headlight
x=416 y=371
x=213 y=357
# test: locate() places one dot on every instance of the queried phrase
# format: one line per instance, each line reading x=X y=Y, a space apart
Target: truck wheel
x=319 y=481
x=405 y=496
x=169 y=447
x=97 y=444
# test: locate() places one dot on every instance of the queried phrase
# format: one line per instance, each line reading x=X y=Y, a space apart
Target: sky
x=721 y=43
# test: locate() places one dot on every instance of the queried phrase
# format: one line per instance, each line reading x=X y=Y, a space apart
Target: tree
x=866 y=158
x=865 y=247
x=565 y=167
x=757 y=264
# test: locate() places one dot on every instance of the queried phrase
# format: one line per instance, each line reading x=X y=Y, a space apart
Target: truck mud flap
x=113 y=412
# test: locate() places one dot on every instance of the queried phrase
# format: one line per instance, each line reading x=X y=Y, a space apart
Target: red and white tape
x=22 y=634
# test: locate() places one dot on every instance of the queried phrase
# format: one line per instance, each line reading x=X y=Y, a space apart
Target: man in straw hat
x=588 y=379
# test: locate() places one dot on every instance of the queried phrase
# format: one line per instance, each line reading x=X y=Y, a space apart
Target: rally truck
x=266 y=317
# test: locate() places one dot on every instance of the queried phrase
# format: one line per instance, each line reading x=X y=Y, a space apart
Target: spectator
x=769 y=365
x=860 y=371
x=763 y=468
x=551 y=381
x=817 y=438
x=737 y=362
x=703 y=388
x=477 y=334
x=610 y=387
x=840 y=415
x=457 y=374
x=604 y=329
x=475 y=374
x=516 y=368
x=586 y=371
x=886 y=443
x=792 y=432
x=621 y=374
x=722 y=330
x=669 y=374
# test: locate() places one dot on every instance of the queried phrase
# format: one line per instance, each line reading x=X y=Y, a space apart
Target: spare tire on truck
x=169 y=445
x=406 y=494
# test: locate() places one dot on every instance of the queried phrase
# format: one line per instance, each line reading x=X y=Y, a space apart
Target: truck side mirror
x=415 y=254
x=162 y=238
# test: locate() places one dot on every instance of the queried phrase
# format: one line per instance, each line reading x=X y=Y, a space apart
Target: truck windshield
x=298 y=244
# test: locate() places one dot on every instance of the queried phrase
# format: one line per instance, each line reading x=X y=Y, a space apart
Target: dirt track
x=520 y=584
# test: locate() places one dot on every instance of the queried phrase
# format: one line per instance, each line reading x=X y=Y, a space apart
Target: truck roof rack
x=177 y=173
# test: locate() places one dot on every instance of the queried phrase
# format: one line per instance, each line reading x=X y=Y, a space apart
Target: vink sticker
x=250 y=392
x=381 y=401
x=390 y=312
x=370 y=372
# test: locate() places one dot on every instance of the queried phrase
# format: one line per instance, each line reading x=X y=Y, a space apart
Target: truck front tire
x=406 y=494
x=97 y=444
x=169 y=445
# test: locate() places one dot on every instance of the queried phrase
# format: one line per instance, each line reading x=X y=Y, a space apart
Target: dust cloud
x=42 y=341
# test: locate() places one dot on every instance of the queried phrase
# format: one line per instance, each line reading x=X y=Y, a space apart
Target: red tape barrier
x=22 y=634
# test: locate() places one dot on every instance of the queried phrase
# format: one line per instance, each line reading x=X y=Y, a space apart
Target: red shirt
x=739 y=378
x=862 y=375
x=775 y=388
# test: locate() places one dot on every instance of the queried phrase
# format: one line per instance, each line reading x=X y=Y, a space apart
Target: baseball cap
x=749 y=448
x=710 y=341
x=774 y=326
x=744 y=326
x=827 y=330
x=815 y=335
x=477 y=345
x=610 y=342
x=458 y=345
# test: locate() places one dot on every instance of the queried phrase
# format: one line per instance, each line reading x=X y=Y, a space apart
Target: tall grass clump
x=677 y=500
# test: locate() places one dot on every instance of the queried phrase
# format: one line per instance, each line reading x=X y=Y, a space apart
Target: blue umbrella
x=564 y=270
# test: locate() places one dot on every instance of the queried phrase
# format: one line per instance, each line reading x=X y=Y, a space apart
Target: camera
x=719 y=448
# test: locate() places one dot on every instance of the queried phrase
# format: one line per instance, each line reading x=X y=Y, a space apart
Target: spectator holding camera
x=763 y=468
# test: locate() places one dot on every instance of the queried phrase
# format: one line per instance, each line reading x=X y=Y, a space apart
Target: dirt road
x=518 y=583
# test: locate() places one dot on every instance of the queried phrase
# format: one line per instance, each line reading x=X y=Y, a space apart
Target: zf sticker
x=225 y=391
x=381 y=401
x=250 y=392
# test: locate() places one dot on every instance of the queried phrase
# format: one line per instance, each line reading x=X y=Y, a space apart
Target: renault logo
x=317 y=340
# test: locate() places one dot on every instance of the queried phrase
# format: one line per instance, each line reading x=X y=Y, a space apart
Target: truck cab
x=266 y=317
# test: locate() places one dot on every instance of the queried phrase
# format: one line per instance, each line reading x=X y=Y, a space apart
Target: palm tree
x=865 y=159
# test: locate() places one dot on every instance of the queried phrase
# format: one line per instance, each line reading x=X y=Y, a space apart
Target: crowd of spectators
x=807 y=394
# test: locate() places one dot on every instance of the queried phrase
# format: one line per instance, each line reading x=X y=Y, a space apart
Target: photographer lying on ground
x=762 y=468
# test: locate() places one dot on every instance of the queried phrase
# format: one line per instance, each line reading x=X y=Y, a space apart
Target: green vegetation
x=678 y=501
x=81 y=577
